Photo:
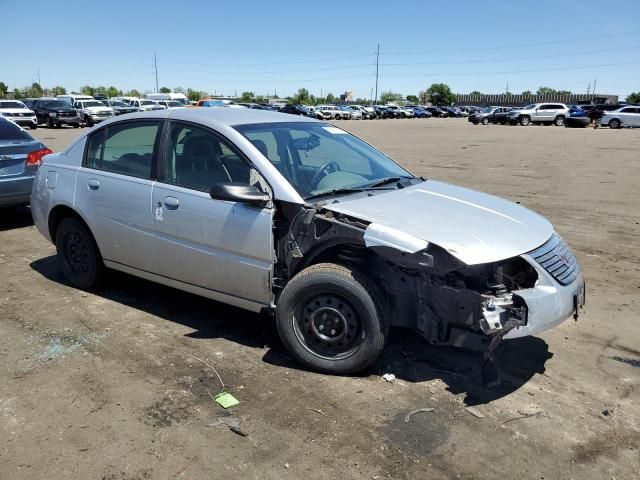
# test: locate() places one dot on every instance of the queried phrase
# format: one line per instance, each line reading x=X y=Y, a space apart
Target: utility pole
x=377 y=70
x=588 y=88
x=39 y=79
x=155 y=64
x=507 y=89
x=595 y=82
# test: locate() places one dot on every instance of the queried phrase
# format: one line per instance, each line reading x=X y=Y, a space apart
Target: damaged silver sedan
x=284 y=214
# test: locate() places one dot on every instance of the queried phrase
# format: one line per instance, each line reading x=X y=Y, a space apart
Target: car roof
x=216 y=116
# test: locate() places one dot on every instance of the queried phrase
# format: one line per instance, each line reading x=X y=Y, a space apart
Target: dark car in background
x=295 y=110
x=437 y=112
x=119 y=108
x=55 y=112
x=598 y=111
x=20 y=157
x=419 y=112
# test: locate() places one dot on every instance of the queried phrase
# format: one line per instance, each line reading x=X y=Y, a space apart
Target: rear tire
x=559 y=121
x=525 y=120
x=49 y=123
x=614 y=123
x=78 y=254
x=88 y=121
x=331 y=319
x=485 y=121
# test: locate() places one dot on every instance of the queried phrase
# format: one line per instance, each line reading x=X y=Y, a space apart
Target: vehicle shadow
x=12 y=218
x=407 y=355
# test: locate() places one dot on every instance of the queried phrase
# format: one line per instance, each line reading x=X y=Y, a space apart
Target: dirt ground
x=106 y=385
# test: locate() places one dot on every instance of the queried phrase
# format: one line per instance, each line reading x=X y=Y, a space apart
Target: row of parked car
x=559 y=114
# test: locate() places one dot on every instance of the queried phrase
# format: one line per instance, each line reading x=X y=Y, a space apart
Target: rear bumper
x=15 y=191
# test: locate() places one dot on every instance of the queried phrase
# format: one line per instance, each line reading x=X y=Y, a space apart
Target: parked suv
x=18 y=112
x=545 y=113
x=92 y=111
x=143 y=105
x=55 y=112
x=490 y=115
x=302 y=220
x=333 y=111
x=119 y=107
x=598 y=111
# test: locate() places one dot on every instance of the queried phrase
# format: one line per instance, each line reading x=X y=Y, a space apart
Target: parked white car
x=169 y=103
x=92 y=111
x=627 y=116
x=333 y=112
x=142 y=105
x=18 y=112
x=356 y=113
x=544 y=113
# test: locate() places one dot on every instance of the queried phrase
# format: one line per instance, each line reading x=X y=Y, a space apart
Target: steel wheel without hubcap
x=76 y=253
x=328 y=326
x=79 y=256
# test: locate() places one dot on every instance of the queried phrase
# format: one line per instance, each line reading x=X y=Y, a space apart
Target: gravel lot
x=105 y=385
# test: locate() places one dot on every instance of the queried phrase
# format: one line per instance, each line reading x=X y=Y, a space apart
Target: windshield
x=57 y=104
x=173 y=104
x=12 y=105
x=487 y=110
x=147 y=102
x=118 y=104
x=318 y=158
x=92 y=104
x=530 y=107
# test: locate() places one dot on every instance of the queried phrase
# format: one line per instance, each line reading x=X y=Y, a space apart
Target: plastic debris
x=237 y=431
x=226 y=400
x=389 y=377
x=407 y=418
x=475 y=412
x=226 y=421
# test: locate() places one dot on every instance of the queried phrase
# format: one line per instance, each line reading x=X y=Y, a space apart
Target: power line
x=521 y=45
x=509 y=59
x=279 y=72
x=310 y=60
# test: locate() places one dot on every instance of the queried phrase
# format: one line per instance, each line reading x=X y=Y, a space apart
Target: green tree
x=634 y=98
x=390 y=97
x=165 y=90
x=441 y=94
x=331 y=98
x=87 y=90
x=100 y=91
x=35 y=90
x=476 y=92
x=55 y=91
x=527 y=93
x=424 y=97
x=412 y=99
x=247 y=97
x=113 y=92
x=133 y=93
x=178 y=90
x=302 y=96
x=194 y=95
x=3 y=89
x=564 y=92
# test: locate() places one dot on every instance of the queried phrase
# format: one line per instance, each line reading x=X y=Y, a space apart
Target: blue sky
x=327 y=46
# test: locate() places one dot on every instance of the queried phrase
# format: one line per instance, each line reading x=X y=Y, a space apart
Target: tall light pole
x=377 y=70
x=155 y=64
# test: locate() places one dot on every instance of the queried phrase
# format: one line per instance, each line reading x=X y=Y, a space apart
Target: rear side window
x=10 y=131
x=125 y=148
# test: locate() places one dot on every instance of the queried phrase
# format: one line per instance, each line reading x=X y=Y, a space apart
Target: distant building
x=511 y=100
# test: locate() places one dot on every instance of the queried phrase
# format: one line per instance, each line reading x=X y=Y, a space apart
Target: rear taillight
x=35 y=158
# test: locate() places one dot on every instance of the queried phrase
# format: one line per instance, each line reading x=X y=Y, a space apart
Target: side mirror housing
x=239 y=192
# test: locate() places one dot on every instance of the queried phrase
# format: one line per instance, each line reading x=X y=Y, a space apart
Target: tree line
x=437 y=93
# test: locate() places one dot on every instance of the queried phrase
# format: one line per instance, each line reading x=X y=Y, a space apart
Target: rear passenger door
x=222 y=246
x=113 y=191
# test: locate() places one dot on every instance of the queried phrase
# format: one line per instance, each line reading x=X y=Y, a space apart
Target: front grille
x=556 y=257
x=66 y=114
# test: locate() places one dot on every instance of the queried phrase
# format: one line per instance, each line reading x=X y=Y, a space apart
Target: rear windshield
x=12 y=105
x=11 y=131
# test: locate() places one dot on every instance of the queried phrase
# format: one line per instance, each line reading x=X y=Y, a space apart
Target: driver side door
x=225 y=247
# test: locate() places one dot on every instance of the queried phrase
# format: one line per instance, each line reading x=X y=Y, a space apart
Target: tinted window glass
x=126 y=148
x=10 y=131
x=197 y=159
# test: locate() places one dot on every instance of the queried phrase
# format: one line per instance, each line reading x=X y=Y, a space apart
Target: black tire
x=559 y=121
x=352 y=316
x=76 y=125
x=49 y=123
x=524 y=120
x=78 y=254
x=614 y=123
x=485 y=121
x=33 y=126
x=88 y=121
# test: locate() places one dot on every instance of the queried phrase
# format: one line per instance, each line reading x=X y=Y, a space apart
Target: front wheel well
x=58 y=214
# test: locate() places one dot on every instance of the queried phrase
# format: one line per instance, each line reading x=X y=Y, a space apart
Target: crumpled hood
x=472 y=226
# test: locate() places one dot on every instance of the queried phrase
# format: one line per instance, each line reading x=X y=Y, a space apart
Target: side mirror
x=238 y=192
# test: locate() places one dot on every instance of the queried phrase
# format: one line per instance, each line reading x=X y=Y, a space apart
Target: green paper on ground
x=226 y=400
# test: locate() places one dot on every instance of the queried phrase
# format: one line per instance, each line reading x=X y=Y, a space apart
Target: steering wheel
x=326 y=169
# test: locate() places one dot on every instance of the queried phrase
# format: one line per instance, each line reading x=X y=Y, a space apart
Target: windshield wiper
x=336 y=191
x=384 y=181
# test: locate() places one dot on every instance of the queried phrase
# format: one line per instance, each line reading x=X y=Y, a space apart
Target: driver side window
x=196 y=159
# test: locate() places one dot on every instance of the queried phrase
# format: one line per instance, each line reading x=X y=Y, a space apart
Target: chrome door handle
x=171 y=203
x=93 y=184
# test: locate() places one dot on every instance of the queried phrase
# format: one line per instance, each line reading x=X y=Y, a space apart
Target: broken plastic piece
x=226 y=400
x=389 y=377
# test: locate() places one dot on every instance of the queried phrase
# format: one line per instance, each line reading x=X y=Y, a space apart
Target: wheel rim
x=525 y=121
x=613 y=124
x=76 y=252
x=328 y=326
x=559 y=121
